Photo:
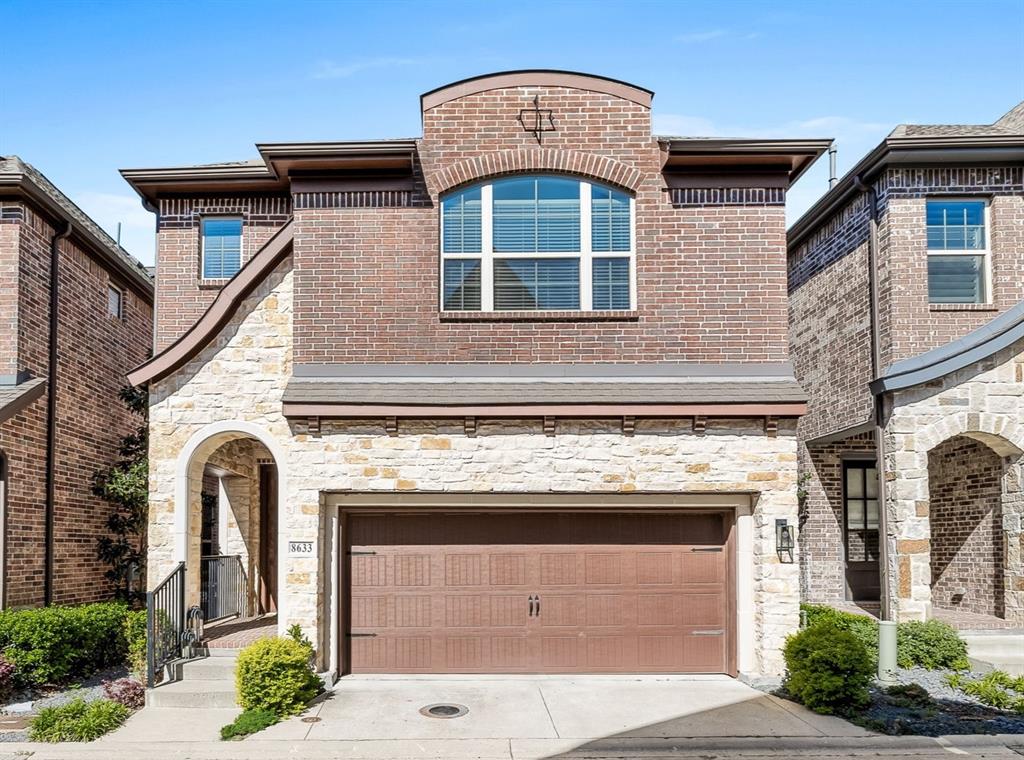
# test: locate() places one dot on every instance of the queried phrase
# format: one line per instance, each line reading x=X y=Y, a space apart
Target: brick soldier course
x=94 y=351
x=330 y=349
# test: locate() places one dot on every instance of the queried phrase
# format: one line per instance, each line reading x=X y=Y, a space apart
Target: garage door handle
x=531 y=603
x=716 y=632
x=537 y=613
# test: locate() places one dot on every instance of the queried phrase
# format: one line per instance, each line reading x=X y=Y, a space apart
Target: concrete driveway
x=552 y=713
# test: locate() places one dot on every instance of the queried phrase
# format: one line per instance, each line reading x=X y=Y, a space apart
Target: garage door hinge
x=360 y=554
x=361 y=635
x=706 y=549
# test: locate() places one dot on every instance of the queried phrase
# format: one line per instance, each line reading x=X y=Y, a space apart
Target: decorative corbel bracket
x=391 y=425
x=700 y=424
x=628 y=424
x=549 y=426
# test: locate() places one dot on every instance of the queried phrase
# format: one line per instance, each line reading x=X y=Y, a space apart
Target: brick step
x=193 y=694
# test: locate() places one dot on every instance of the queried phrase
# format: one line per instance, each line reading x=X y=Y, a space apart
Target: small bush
x=57 y=645
x=249 y=722
x=996 y=689
x=827 y=669
x=932 y=644
x=295 y=634
x=861 y=626
x=275 y=674
x=909 y=695
x=127 y=692
x=8 y=674
x=77 y=721
x=135 y=641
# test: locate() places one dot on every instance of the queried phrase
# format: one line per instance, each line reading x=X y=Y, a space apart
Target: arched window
x=537 y=243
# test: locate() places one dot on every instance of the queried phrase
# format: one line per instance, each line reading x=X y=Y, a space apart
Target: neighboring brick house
x=520 y=387
x=50 y=446
x=936 y=366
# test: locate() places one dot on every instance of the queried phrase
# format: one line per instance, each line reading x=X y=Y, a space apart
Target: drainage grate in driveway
x=444 y=710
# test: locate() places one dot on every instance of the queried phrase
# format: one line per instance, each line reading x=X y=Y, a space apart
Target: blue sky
x=92 y=87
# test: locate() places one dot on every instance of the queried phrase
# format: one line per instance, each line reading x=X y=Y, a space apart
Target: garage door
x=540 y=593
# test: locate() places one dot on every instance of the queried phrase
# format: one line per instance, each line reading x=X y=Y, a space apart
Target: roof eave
x=20 y=184
x=801 y=154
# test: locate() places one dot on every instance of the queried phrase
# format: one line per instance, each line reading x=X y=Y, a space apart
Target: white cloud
x=333 y=70
x=138 y=226
x=694 y=37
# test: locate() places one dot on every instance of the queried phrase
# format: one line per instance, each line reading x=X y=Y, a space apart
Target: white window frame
x=985 y=253
x=112 y=288
x=586 y=255
x=202 y=244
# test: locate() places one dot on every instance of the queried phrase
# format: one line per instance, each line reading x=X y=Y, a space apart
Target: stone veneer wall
x=986 y=402
x=964 y=479
x=241 y=377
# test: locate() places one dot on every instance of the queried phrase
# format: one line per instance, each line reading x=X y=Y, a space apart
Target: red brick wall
x=710 y=278
x=910 y=322
x=964 y=484
x=10 y=215
x=822 y=556
x=95 y=352
x=182 y=296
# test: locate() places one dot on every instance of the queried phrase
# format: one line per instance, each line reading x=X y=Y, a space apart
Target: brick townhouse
x=75 y=315
x=907 y=318
x=513 y=396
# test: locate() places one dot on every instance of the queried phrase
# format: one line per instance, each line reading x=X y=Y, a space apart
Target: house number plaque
x=300 y=548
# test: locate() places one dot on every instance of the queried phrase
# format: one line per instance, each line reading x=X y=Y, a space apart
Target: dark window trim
x=217 y=282
x=863 y=463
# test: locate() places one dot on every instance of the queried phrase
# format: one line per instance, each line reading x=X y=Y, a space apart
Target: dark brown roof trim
x=14 y=399
x=21 y=180
x=920 y=151
x=536 y=78
x=219 y=312
x=544 y=410
x=704 y=153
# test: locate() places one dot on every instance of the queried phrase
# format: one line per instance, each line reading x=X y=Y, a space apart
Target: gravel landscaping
x=27 y=704
x=950 y=712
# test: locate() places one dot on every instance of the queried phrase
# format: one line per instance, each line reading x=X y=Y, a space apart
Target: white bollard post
x=887 y=651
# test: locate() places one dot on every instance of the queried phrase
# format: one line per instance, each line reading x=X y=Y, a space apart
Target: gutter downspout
x=51 y=412
x=879 y=400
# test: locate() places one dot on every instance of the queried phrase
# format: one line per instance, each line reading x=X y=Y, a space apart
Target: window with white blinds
x=958 y=269
x=537 y=243
x=222 y=248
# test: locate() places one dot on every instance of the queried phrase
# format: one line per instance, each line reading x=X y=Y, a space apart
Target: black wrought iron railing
x=165 y=622
x=225 y=588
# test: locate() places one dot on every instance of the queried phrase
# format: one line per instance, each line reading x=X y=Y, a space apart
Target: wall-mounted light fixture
x=784 y=541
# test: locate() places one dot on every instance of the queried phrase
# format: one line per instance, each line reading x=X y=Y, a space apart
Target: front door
x=541 y=593
x=861 y=525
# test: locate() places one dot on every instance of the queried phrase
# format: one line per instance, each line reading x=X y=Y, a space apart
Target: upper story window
x=958 y=267
x=115 y=302
x=222 y=248
x=537 y=243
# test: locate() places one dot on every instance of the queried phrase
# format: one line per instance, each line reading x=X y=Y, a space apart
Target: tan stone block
x=612 y=478
x=761 y=476
x=701 y=467
x=310 y=509
x=366 y=443
x=371 y=471
x=354 y=459
x=912 y=546
x=406 y=485
x=388 y=472
x=921 y=508
x=435 y=443
x=298 y=579
x=627 y=487
x=904 y=572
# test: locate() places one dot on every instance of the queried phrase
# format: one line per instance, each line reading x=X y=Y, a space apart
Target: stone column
x=1013 y=537
x=909 y=536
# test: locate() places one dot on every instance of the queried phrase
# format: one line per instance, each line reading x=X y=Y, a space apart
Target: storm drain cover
x=444 y=710
x=311 y=719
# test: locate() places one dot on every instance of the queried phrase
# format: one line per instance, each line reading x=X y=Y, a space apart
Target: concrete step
x=206 y=669
x=195 y=694
x=996 y=650
x=202 y=651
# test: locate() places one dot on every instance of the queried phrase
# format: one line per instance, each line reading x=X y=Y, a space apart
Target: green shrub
x=77 y=721
x=909 y=695
x=135 y=641
x=861 y=626
x=827 y=668
x=932 y=644
x=249 y=722
x=295 y=634
x=57 y=645
x=995 y=689
x=275 y=674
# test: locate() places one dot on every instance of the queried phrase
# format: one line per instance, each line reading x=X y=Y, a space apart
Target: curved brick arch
x=589 y=165
x=1002 y=435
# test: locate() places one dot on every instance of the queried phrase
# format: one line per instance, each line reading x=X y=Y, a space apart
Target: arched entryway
x=966 y=517
x=227 y=527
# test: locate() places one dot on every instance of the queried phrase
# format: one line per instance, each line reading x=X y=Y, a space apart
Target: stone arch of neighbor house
x=958 y=544
x=240 y=529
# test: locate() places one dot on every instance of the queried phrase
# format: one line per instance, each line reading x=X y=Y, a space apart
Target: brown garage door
x=540 y=593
